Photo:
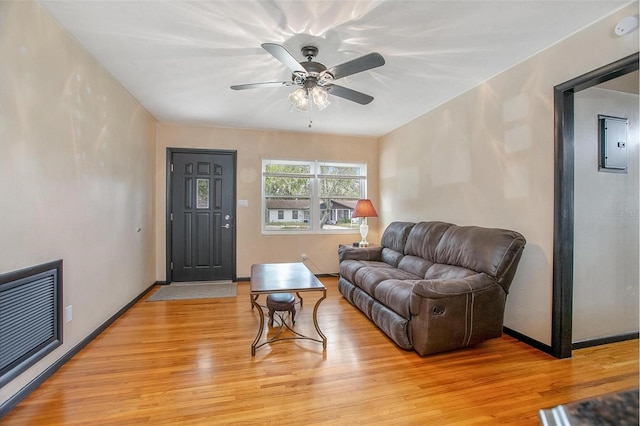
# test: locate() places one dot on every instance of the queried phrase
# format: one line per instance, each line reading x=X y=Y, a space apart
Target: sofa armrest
x=450 y=314
x=438 y=289
x=359 y=253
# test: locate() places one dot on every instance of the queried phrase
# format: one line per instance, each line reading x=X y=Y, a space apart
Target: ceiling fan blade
x=283 y=55
x=349 y=94
x=363 y=63
x=258 y=85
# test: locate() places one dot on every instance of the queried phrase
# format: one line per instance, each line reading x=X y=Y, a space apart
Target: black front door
x=202 y=215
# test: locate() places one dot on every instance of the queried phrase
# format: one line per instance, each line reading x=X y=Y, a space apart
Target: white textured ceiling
x=179 y=58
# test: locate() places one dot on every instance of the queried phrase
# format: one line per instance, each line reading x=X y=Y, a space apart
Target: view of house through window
x=311 y=195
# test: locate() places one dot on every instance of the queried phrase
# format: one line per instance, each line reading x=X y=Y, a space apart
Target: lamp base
x=364 y=230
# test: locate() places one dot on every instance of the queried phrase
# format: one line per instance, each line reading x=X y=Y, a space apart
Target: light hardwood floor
x=189 y=362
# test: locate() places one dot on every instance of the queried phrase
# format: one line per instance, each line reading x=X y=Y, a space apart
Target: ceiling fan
x=314 y=80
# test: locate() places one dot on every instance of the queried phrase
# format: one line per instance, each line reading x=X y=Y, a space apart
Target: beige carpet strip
x=194 y=290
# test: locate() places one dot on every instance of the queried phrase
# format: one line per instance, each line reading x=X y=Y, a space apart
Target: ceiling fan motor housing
x=315 y=70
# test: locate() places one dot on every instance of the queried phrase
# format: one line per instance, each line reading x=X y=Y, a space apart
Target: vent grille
x=30 y=319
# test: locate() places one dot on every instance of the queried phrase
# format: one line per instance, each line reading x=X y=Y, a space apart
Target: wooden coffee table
x=267 y=278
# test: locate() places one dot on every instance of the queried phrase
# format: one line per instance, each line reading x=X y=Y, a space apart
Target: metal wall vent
x=30 y=317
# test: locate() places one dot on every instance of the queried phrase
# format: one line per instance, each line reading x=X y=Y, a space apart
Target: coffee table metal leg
x=260 y=328
x=315 y=320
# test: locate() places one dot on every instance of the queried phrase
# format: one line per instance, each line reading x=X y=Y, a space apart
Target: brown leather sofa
x=433 y=286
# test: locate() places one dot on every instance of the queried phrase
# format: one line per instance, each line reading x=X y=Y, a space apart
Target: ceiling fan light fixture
x=299 y=99
x=320 y=97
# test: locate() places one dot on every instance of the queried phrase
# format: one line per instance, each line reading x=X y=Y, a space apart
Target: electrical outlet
x=304 y=257
x=68 y=314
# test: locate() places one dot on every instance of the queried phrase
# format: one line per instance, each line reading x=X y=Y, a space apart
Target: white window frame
x=315 y=176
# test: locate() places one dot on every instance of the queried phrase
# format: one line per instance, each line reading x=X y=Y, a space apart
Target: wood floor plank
x=189 y=362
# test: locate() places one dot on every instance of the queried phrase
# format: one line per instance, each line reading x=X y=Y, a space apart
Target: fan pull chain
x=310 y=103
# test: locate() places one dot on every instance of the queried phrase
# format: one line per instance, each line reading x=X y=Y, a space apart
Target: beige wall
x=605 y=272
x=252 y=146
x=487 y=158
x=76 y=174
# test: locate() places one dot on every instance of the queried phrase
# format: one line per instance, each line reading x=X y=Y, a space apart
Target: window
x=311 y=196
x=203 y=194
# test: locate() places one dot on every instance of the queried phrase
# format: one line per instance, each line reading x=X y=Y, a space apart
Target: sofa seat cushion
x=368 y=278
x=438 y=271
x=396 y=295
x=348 y=268
x=415 y=265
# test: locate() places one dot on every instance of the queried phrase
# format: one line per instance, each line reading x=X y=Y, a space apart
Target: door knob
x=227 y=226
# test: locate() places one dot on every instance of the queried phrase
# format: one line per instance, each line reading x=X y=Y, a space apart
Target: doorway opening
x=563 y=238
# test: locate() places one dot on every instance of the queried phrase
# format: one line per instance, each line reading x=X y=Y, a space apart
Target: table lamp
x=364 y=209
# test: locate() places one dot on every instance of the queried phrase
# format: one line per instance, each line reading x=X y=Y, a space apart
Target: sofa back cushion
x=424 y=238
x=495 y=252
x=393 y=241
x=395 y=236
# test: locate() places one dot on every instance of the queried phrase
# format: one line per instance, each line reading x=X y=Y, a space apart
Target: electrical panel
x=612 y=144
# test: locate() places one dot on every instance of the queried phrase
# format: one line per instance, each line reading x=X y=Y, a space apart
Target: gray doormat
x=194 y=290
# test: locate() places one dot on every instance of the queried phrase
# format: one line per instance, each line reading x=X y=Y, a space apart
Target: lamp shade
x=364 y=208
